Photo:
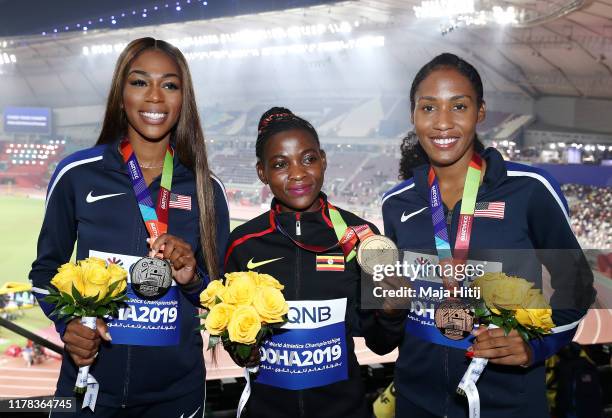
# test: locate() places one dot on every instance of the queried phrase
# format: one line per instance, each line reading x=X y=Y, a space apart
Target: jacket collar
x=495 y=173
x=113 y=160
x=321 y=214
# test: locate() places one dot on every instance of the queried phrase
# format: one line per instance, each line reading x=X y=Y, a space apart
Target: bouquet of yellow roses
x=509 y=303
x=242 y=311
x=88 y=289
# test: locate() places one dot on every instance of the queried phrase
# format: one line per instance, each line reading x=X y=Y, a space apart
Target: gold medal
x=376 y=250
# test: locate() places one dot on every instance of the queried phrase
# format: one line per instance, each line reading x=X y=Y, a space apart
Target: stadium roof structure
x=565 y=51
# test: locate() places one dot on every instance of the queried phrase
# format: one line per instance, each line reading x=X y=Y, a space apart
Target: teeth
x=152 y=115
x=445 y=141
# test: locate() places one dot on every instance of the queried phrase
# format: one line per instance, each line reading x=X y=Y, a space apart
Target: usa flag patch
x=490 y=210
x=180 y=201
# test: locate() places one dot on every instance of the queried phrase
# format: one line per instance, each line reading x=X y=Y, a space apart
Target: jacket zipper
x=298 y=225
x=449 y=227
x=298 y=259
x=127 y=377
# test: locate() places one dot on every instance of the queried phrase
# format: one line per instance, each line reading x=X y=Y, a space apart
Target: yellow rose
x=270 y=304
x=539 y=318
x=214 y=289
x=265 y=280
x=486 y=285
x=95 y=279
x=510 y=293
x=218 y=318
x=240 y=291
x=95 y=260
x=536 y=311
x=501 y=291
x=244 y=325
x=240 y=275
x=68 y=274
x=118 y=274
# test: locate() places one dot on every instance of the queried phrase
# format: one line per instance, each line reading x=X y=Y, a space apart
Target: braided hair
x=276 y=120
x=413 y=154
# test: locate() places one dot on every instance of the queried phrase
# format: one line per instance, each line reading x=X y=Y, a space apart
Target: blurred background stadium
x=347 y=67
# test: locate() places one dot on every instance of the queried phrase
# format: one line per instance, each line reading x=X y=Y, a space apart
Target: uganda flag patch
x=330 y=262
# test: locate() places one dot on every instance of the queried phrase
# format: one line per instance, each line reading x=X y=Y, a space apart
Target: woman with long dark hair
x=514 y=208
x=145 y=189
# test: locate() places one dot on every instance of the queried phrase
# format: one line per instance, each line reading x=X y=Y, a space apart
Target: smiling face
x=152 y=96
x=445 y=116
x=294 y=167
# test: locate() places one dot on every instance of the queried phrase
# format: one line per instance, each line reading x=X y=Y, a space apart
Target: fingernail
x=96 y=355
x=108 y=336
x=470 y=348
x=469 y=354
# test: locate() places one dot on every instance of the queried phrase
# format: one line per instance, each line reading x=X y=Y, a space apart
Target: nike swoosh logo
x=410 y=215
x=251 y=265
x=90 y=198
x=192 y=415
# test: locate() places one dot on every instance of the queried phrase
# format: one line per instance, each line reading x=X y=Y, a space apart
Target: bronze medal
x=454 y=319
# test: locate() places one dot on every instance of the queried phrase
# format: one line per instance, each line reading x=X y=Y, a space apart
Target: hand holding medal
x=178 y=254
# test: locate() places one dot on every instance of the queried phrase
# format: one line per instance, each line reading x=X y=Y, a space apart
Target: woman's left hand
x=499 y=348
x=178 y=253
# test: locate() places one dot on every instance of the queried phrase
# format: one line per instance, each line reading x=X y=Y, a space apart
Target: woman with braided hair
x=309 y=368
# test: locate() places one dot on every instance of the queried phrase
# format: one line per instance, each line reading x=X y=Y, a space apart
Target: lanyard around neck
x=466 y=217
x=154 y=217
x=339 y=226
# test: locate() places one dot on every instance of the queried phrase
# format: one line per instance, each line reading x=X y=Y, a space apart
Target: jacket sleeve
x=222 y=232
x=559 y=251
x=55 y=242
x=382 y=332
x=232 y=263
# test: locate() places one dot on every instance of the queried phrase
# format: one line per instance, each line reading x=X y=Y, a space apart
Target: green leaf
x=67 y=310
x=213 y=340
x=101 y=311
x=243 y=351
x=497 y=320
x=51 y=298
x=66 y=298
x=218 y=300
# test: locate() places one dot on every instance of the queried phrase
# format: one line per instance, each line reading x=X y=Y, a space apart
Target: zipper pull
x=298 y=228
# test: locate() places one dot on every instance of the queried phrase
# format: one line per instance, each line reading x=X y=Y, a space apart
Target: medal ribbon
x=348 y=236
x=466 y=216
x=154 y=217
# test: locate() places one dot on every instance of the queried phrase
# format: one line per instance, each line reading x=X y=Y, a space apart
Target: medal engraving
x=151 y=277
x=454 y=319
x=376 y=250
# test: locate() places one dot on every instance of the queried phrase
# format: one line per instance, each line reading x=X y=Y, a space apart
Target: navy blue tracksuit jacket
x=90 y=200
x=535 y=217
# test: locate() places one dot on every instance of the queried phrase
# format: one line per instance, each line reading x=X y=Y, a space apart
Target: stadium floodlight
x=465 y=13
x=443 y=8
x=601 y=148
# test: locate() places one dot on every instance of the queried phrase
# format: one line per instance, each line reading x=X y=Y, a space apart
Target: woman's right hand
x=82 y=343
x=251 y=361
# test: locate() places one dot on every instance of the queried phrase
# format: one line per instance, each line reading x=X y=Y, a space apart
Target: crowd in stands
x=591 y=214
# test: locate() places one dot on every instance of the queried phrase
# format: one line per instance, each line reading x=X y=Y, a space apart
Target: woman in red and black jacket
x=310 y=369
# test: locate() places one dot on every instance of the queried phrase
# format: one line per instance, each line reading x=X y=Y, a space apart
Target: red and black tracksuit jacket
x=259 y=244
